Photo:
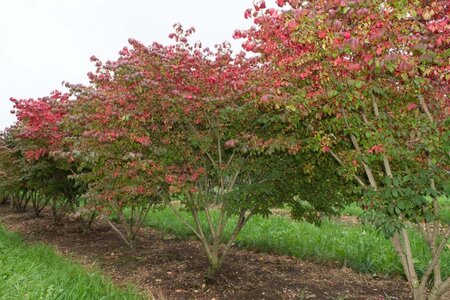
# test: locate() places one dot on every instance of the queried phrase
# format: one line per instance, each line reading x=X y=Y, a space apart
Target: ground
x=169 y=268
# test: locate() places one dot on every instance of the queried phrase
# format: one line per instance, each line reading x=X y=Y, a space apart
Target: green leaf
x=429 y=217
x=395 y=193
x=446 y=53
x=332 y=93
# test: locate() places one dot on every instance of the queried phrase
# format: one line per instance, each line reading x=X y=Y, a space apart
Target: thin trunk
x=222 y=180
x=91 y=220
x=215 y=262
x=409 y=258
x=436 y=223
x=433 y=239
x=240 y=224
x=366 y=167
x=401 y=246
x=210 y=223
x=425 y=109
x=218 y=257
x=375 y=107
x=396 y=242
x=387 y=166
x=201 y=236
x=20 y=201
x=183 y=220
x=56 y=217
x=355 y=143
x=122 y=236
x=339 y=161
x=436 y=254
x=61 y=208
x=213 y=267
x=38 y=207
x=142 y=216
x=233 y=180
x=438 y=291
x=222 y=221
x=131 y=226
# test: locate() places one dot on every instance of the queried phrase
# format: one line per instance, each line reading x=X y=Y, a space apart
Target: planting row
x=343 y=101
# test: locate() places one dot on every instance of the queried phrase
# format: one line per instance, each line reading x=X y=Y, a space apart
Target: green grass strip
x=360 y=247
x=444 y=202
x=36 y=272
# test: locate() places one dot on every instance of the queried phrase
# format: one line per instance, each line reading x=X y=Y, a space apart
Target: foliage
x=370 y=80
x=9 y=160
x=33 y=139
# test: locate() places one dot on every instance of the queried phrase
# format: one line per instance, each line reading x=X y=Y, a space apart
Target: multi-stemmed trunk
x=129 y=226
x=20 y=200
x=418 y=285
x=216 y=251
x=4 y=199
x=216 y=245
x=60 y=206
x=436 y=241
x=39 y=202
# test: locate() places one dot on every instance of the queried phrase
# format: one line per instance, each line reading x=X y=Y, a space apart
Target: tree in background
x=35 y=136
x=11 y=186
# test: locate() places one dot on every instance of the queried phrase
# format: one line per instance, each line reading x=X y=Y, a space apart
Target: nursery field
x=312 y=164
x=168 y=264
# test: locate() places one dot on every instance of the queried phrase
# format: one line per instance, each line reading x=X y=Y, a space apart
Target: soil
x=165 y=267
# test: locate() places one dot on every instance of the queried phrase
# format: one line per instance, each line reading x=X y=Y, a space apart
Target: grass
x=359 y=247
x=352 y=210
x=36 y=272
x=444 y=202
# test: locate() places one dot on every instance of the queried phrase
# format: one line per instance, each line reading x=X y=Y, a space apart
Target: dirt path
x=169 y=268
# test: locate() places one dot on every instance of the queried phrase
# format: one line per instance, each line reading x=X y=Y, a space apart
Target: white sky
x=43 y=42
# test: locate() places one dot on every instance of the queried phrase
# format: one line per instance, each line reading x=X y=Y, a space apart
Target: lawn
x=36 y=272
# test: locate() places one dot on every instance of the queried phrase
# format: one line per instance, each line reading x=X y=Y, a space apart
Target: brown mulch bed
x=169 y=268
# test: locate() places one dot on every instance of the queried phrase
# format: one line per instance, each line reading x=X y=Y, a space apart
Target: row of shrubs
x=331 y=109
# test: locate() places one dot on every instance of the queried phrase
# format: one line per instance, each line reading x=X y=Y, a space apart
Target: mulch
x=165 y=267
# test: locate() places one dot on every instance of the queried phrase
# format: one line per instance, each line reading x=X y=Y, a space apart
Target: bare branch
x=183 y=220
x=355 y=143
x=210 y=223
x=424 y=107
x=122 y=236
x=339 y=161
x=242 y=220
x=201 y=236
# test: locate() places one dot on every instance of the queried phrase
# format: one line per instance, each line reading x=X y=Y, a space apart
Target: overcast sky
x=45 y=42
